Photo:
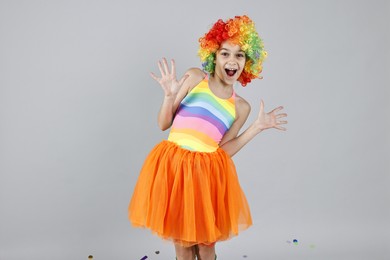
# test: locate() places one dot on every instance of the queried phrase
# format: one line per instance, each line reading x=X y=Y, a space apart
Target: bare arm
x=165 y=115
x=174 y=90
x=232 y=143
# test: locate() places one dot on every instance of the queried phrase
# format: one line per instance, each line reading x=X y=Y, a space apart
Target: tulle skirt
x=189 y=197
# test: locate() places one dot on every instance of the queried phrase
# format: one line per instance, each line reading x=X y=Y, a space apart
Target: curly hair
x=239 y=30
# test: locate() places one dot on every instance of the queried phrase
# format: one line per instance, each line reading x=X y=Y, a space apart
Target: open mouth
x=231 y=72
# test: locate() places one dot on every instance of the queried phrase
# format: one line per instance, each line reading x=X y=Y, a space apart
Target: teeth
x=230 y=72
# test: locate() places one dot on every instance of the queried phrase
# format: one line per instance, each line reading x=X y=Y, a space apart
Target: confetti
x=90 y=257
x=143 y=258
x=157 y=252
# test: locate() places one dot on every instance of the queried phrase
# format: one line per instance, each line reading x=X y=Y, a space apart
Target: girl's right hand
x=168 y=80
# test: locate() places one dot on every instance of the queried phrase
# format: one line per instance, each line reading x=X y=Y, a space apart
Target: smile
x=231 y=72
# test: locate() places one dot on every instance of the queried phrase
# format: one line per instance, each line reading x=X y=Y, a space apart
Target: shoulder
x=243 y=107
x=195 y=75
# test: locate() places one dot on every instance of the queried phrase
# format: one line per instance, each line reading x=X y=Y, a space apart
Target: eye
x=240 y=55
x=225 y=54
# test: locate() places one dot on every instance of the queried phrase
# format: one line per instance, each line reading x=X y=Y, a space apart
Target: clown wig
x=239 y=30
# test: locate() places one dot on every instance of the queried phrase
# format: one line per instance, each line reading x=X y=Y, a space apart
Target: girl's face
x=229 y=63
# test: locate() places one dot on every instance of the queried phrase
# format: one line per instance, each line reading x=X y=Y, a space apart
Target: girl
x=188 y=190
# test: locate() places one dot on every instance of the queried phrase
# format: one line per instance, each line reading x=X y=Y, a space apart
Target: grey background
x=78 y=116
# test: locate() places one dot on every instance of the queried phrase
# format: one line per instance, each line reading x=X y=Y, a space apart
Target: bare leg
x=185 y=253
x=206 y=252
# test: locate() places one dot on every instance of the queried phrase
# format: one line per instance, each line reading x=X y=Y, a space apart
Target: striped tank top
x=202 y=119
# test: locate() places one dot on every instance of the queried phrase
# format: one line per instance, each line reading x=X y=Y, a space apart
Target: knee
x=206 y=252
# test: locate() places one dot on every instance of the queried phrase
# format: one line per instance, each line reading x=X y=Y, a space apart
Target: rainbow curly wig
x=239 y=30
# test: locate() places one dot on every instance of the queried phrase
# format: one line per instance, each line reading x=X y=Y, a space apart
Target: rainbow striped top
x=202 y=119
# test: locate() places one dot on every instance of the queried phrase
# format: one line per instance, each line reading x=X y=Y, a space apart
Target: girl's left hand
x=271 y=119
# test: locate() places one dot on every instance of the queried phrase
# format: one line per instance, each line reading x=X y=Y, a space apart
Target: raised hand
x=271 y=119
x=168 y=81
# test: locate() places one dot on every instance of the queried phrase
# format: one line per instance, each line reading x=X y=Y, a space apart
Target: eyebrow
x=224 y=49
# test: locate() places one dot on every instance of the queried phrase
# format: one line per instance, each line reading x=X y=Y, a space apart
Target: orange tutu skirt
x=189 y=197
